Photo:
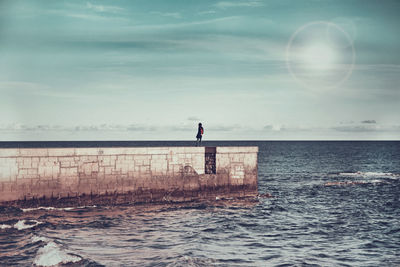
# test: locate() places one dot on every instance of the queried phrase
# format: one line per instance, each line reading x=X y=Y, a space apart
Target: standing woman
x=199 y=135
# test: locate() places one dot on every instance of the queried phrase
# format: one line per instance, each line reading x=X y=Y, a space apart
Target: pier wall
x=61 y=176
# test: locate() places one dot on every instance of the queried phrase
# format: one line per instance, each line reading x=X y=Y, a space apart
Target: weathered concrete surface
x=65 y=176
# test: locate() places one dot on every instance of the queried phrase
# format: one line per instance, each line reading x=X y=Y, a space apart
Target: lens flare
x=320 y=55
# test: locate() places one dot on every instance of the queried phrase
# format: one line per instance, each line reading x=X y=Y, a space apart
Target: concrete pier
x=112 y=175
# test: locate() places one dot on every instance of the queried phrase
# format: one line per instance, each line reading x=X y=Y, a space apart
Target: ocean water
x=332 y=204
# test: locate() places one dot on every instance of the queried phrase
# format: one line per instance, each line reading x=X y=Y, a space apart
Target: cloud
x=193 y=118
x=277 y=128
x=175 y=15
x=223 y=128
x=183 y=25
x=89 y=16
x=30 y=128
x=142 y=128
x=232 y=4
x=89 y=12
x=350 y=127
x=113 y=127
x=207 y=12
x=102 y=8
x=369 y=121
x=116 y=127
x=268 y=127
x=181 y=128
x=357 y=128
x=185 y=130
x=368 y=127
x=347 y=122
x=90 y=128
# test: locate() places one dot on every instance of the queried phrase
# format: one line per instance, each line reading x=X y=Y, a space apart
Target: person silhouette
x=200 y=132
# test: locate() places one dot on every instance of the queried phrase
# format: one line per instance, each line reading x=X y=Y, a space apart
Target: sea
x=330 y=203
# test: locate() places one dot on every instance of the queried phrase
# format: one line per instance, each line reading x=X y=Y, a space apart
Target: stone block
x=33 y=171
x=138 y=150
x=199 y=169
x=122 y=167
x=173 y=159
x=107 y=151
x=222 y=161
x=26 y=163
x=66 y=159
x=177 y=150
x=108 y=170
x=236 y=181
x=250 y=160
x=198 y=161
x=104 y=160
x=237 y=149
x=56 y=152
x=159 y=157
x=176 y=168
x=158 y=151
x=120 y=158
x=54 y=160
x=88 y=158
x=133 y=150
x=8 y=168
x=142 y=157
x=194 y=150
x=237 y=171
x=35 y=164
x=236 y=157
x=129 y=158
x=86 y=151
x=69 y=172
x=9 y=152
x=144 y=169
x=65 y=164
x=33 y=152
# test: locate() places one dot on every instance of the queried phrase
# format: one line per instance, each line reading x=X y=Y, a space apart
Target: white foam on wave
x=370 y=174
x=21 y=224
x=52 y=254
x=54 y=208
x=357 y=182
x=35 y=239
x=45 y=208
x=5 y=226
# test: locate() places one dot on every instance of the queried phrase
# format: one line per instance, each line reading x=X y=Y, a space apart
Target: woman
x=199 y=135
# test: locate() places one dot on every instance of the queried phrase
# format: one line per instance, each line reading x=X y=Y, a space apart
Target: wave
x=5 y=226
x=54 y=208
x=362 y=178
x=344 y=183
x=52 y=255
x=192 y=261
x=370 y=174
x=21 y=224
x=35 y=239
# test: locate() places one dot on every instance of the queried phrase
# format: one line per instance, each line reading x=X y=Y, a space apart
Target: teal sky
x=145 y=70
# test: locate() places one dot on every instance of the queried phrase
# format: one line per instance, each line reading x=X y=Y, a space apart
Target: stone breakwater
x=114 y=175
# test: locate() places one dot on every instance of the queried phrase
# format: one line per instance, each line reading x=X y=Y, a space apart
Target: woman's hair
x=200 y=124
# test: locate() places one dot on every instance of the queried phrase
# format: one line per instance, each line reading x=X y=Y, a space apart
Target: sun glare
x=318 y=56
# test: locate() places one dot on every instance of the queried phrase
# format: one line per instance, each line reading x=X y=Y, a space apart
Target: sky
x=152 y=70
